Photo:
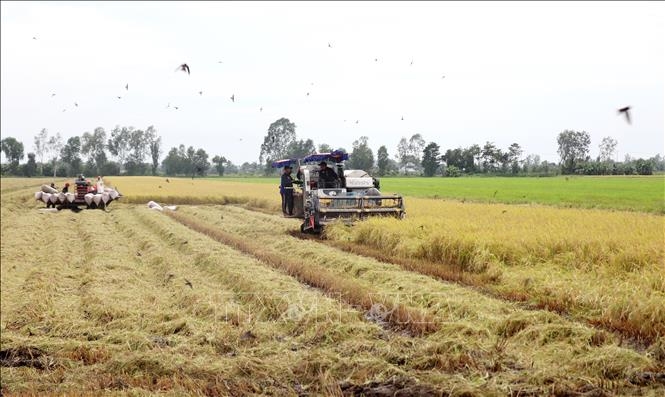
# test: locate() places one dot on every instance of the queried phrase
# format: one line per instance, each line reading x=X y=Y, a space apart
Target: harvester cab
x=353 y=195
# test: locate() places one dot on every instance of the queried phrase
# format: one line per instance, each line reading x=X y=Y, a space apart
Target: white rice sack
x=46 y=197
x=106 y=197
x=48 y=189
x=97 y=198
x=70 y=197
x=48 y=209
x=53 y=198
x=114 y=194
x=88 y=198
x=154 y=206
x=170 y=207
x=38 y=195
x=62 y=197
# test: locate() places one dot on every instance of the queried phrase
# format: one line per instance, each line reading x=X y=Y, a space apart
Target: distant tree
x=54 y=148
x=200 y=164
x=431 y=157
x=474 y=151
x=490 y=155
x=13 y=150
x=361 y=157
x=300 y=148
x=607 y=148
x=452 y=171
x=173 y=161
x=454 y=158
x=325 y=148
x=30 y=168
x=513 y=157
x=94 y=146
x=41 y=148
x=155 y=147
x=382 y=159
x=416 y=147
x=281 y=134
x=119 y=144
x=70 y=155
x=403 y=152
x=573 y=149
x=219 y=162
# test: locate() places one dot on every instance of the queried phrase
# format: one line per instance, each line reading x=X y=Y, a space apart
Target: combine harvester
x=355 y=196
x=92 y=196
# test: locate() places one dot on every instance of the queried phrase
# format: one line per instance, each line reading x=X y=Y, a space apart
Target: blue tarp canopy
x=336 y=156
x=283 y=163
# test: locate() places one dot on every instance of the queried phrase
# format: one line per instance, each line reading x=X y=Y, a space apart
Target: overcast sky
x=514 y=72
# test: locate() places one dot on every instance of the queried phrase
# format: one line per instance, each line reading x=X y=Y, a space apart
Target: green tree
x=431 y=157
x=607 y=148
x=281 y=134
x=403 y=153
x=118 y=144
x=172 y=163
x=219 y=162
x=325 y=148
x=491 y=156
x=361 y=157
x=155 y=147
x=54 y=148
x=513 y=157
x=200 y=164
x=30 y=168
x=70 y=155
x=300 y=148
x=94 y=146
x=13 y=150
x=573 y=149
x=382 y=160
x=41 y=148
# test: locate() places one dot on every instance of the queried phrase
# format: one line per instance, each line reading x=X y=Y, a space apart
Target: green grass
x=634 y=193
x=623 y=193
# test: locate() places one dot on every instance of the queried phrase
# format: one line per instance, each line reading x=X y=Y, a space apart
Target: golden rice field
x=224 y=297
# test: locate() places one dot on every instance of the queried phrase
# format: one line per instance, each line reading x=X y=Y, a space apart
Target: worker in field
x=328 y=178
x=286 y=190
x=66 y=188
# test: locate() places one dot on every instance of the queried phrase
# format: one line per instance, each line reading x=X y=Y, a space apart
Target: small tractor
x=354 y=196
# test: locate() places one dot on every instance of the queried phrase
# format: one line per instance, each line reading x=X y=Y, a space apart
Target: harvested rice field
x=224 y=296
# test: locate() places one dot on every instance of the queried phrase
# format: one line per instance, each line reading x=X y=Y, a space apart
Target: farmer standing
x=286 y=190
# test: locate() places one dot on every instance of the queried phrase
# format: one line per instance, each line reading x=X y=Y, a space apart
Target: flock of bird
x=185 y=68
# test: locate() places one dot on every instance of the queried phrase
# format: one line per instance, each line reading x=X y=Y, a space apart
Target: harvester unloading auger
x=354 y=196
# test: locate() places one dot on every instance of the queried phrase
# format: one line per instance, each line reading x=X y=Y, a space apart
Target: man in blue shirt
x=286 y=190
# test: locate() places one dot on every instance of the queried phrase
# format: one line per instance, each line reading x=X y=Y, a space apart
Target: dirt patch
x=393 y=387
x=25 y=357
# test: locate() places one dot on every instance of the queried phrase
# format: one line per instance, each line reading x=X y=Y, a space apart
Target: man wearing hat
x=286 y=190
x=327 y=176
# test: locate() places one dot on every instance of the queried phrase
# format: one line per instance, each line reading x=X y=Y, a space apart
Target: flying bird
x=52 y=95
x=356 y=121
x=626 y=112
x=233 y=97
x=176 y=108
x=34 y=38
x=402 y=117
x=220 y=62
x=127 y=87
x=76 y=104
x=261 y=110
x=183 y=67
x=376 y=59
x=329 y=45
x=443 y=77
x=200 y=92
x=119 y=97
x=64 y=110
x=188 y=283
x=411 y=63
x=308 y=94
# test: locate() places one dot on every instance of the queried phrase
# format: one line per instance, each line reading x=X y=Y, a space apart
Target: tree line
x=131 y=151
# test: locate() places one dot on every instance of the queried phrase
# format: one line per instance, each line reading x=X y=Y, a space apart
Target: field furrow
x=493 y=322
